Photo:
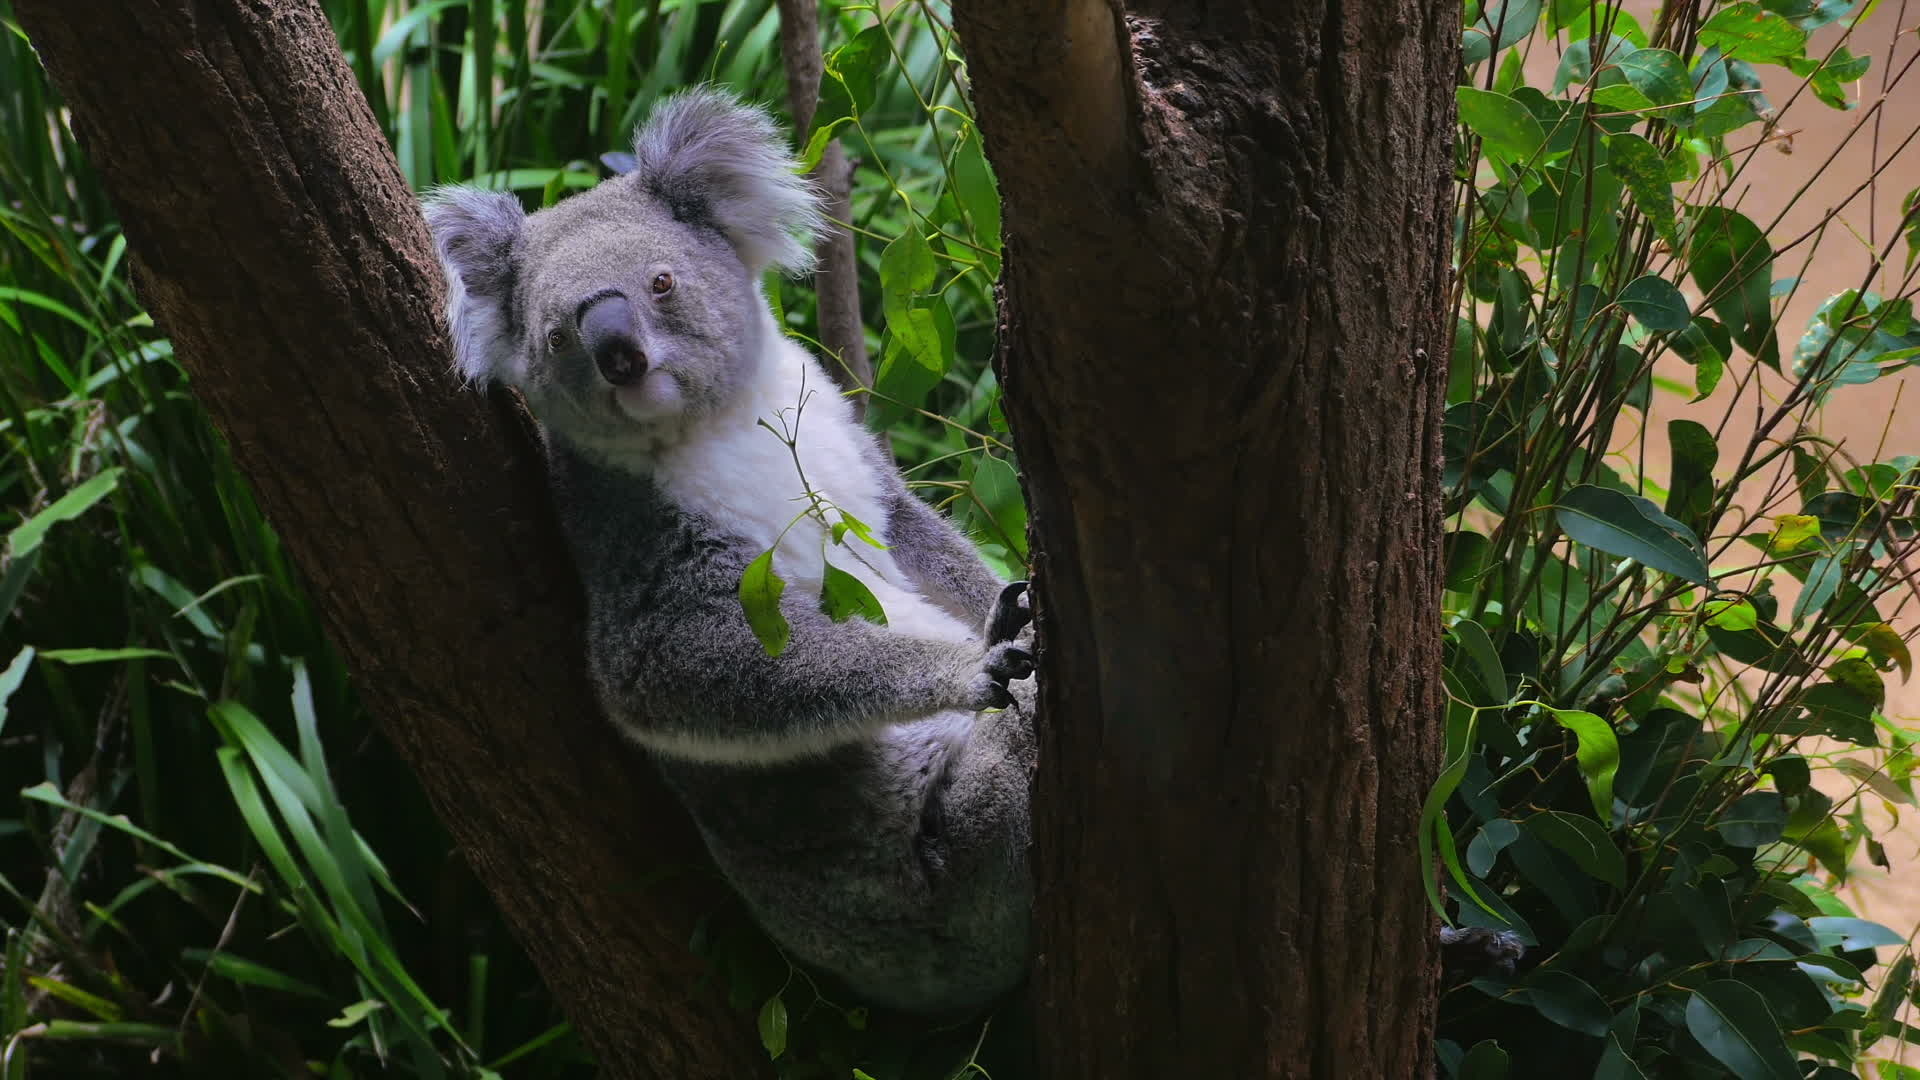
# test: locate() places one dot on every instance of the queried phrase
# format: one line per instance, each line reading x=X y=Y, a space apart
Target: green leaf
x=860 y=529
x=1654 y=301
x=1486 y=1061
x=1434 y=830
x=26 y=536
x=1690 y=489
x=1660 y=75
x=1752 y=33
x=102 y=656
x=1569 y=1001
x=1731 y=614
x=241 y=970
x=1731 y=1021
x=1851 y=934
x=846 y=89
x=1630 y=526
x=1507 y=128
x=1732 y=264
x=1616 y=1061
x=352 y=1015
x=1705 y=345
x=15 y=674
x=1823 y=577
x=1598 y=756
x=843 y=595
x=999 y=510
x=1502 y=24
x=1910 y=221
x=1488 y=843
x=760 y=590
x=773 y=1026
x=1754 y=820
x=918 y=351
x=1841 y=712
x=1643 y=172
x=1583 y=840
x=977 y=191
x=1482 y=679
x=906 y=267
x=1813 y=14
x=92 y=1004
x=1790 y=773
x=1577 y=64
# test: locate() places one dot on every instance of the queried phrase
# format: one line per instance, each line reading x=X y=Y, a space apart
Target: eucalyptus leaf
x=1732 y=263
x=1732 y=1022
x=1598 y=756
x=1750 y=32
x=842 y=596
x=1506 y=127
x=1754 y=820
x=760 y=589
x=1631 y=527
x=1502 y=24
x=1654 y=301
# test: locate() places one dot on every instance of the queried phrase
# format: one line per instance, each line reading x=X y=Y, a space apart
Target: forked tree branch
x=279 y=246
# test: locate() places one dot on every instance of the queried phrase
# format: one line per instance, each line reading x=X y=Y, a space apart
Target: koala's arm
x=678 y=667
x=938 y=556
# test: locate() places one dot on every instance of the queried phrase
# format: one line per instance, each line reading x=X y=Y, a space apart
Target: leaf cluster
x=1668 y=640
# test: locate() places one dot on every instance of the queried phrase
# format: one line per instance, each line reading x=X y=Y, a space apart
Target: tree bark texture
x=836 y=275
x=280 y=247
x=1224 y=353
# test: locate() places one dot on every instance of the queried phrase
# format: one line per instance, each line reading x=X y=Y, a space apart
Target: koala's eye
x=662 y=284
x=556 y=340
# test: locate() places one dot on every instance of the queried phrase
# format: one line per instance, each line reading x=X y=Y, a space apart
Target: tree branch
x=279 y=246
x=836 y=279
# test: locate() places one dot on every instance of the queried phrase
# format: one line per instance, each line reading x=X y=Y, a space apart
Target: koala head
x=630 y=309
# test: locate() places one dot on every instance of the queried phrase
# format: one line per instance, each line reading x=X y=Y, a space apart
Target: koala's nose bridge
x=610 y=331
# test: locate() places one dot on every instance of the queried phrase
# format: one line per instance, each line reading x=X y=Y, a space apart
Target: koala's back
x=857 y=869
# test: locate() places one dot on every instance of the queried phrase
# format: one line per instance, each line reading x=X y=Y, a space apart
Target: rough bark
x=836 y=276
x=1223 y=353
x=279 y=246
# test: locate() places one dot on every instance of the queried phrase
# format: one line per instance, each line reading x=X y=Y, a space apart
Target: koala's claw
x=1473 y=951
x=986 y=692
x=1011 y=613
x=1004 y=663
x=1008 y=661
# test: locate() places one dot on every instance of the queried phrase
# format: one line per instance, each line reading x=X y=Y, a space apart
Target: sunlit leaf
x=1506 y=127
x=842 y=596
x=1749 y=32
x=760 y=589
x=1598 y=756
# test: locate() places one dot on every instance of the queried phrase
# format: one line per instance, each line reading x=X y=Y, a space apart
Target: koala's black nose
x=609 y=330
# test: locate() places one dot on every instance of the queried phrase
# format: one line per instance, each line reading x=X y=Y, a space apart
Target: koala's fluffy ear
x=477 y=234
x=710 y=157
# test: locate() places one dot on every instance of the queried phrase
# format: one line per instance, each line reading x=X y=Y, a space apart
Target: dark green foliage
x=1655 y=765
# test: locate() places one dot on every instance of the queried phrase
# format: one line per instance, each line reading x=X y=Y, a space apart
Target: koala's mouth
x=653 y=396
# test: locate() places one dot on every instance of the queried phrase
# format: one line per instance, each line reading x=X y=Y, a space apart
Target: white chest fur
x=745 y=479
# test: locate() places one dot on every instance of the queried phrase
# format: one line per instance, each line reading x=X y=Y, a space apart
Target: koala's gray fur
x=871 y=815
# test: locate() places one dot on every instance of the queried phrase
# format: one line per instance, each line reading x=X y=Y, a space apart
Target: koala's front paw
x=1003 y=663
x=1011 y=614
x=1472 y=951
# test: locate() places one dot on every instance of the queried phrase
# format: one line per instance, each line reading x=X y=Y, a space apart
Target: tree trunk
x=1224 y=353
x=280 y=248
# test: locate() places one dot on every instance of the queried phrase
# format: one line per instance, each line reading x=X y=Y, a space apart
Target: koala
x=865 y=790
